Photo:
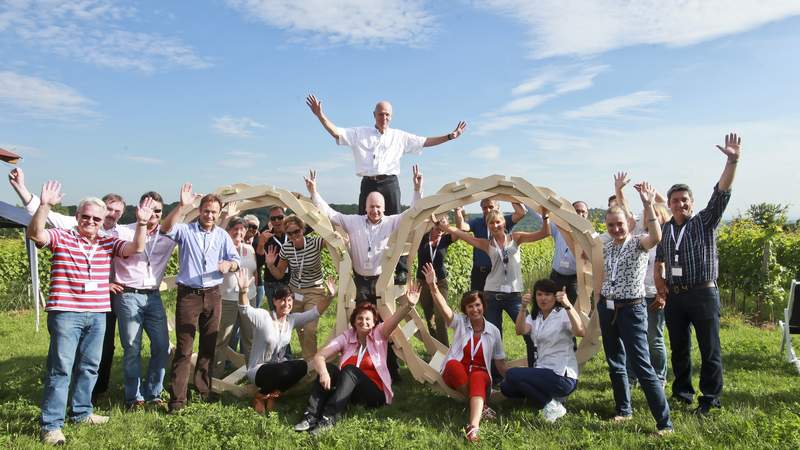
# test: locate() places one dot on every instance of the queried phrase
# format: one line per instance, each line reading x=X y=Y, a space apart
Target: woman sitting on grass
x=362 y=375
x=476 y=344
x=268 y=367
x=552 y=325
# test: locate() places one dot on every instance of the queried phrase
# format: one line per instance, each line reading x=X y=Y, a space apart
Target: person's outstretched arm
x=648 y=195
x=733 y=150
x=412 y=296
x=519 y=212
x=316 y=108
x=143 y=214
x=436 y=140
x=176 y=215
x=439 y=302
x=51 y=195
x=480 y=244
x=575 y=321
x=523 y=237
x=520 y=325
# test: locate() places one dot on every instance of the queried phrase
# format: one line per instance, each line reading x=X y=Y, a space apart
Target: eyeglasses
x=275 y=218
x=252 y=226
x=157 y=211
x=296 y=232
x=87 y=218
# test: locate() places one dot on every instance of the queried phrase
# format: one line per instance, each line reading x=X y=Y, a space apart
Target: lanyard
x=362 y=350
x=149 y=253
x=206 y=244
x=680 y=238
x=369 y=229
x=89 y=255
x=474 y=350
x=615 y=261
x=433 y=248
x=503 y=255
x=299 y=261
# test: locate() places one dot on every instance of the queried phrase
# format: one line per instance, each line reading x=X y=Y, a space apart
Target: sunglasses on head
x=275 y=218
x=88 y=218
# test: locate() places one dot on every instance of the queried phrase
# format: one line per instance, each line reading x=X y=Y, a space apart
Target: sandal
x=471 y=433
x=488 y=414
x=271 y=398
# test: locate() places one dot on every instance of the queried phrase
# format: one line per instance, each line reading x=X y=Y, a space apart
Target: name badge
x=150 y=279
x=677 y=271
x=505 y=288
x=298 y=297
x=610 y=304
x=564 y=264
x=90 y=286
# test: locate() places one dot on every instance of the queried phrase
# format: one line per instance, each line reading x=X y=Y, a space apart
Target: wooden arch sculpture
x=246 y=197
x=416 y=222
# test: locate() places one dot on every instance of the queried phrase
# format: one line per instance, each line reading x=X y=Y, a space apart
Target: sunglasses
x=275 y=218
x=157 y=211
x=87 y=218
x=252 y=226
x=296 y=232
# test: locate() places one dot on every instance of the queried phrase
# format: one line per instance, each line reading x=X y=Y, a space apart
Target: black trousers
x=477 y=277
x=389 y=187
x=698 y=308
x=365 y=292
x=104 y=371
x=280 y=376
x=348 y=385
x=568 y=281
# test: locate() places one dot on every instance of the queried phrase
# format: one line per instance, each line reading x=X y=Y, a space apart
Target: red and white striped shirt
x=80 y=271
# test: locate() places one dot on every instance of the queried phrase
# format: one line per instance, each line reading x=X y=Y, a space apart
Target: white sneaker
x=94 y=419
x=53 y=437
x=553 y=411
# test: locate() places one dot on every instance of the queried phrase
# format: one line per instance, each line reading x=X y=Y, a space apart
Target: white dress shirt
x=376 y=153
x=491 y=341
x=368 y=240
x=554 y=345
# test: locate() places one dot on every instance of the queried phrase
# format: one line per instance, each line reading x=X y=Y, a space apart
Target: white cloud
x=525 y=103
x=349 y=22
x=493 y=122
x=41 y=98
x=240 y=127
x=489 y=152
x=144 y=159
x=91 y=31
x=245 y=154
x=585 y=27
x=616 y=106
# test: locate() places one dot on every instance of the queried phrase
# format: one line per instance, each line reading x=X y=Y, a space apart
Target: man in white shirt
x=377 y=151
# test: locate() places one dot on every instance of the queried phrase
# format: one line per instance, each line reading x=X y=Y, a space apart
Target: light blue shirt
x=563 y=259
x=200 y=253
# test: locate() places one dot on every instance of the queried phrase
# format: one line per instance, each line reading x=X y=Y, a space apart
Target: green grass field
x=761 y=409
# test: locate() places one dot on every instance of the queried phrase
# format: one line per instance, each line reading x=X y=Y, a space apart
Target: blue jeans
x=539 y=385
x=655 y=343
x=511 y=303
x=137 y=313
x=76 y=344
x=629 y=332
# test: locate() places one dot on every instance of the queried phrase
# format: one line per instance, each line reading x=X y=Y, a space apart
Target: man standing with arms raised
x=76 y=305
x=205 y=253
x=685 y=275
x=377 y=151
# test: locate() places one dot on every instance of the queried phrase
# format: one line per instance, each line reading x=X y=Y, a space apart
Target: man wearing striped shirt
x=78 y=299
x=685 y=275
x=302 y=256
x=205 y=253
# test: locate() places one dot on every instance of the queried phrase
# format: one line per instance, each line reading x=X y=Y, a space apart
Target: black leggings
x=280 y=376
x=349 y=384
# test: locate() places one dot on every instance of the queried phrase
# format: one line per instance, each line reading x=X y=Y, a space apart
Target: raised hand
x=459 y=129
x=527 y=298
x=264 y=237
x=733 y=147
x=561 y=297
x=314 y=104
x=330 y=284
x=441 y=223
x=311 y=182
x=646 y=192
x=429 y=273
x=51 y=193
x=187 y=196
x=412 y=294
x=244 y=279
x=233 y=208
x=145 y=210
x=16 y=177
x=417 y=177
x=272 y=255
x=621 y=180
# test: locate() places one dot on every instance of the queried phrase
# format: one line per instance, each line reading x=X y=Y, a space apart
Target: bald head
x=376 y=205
x=383 y=115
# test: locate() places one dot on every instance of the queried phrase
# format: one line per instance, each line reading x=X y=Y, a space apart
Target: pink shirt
x=347 y=344
x=143 y=270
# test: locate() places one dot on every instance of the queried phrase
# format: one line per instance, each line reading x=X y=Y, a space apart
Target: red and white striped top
x=80 y=271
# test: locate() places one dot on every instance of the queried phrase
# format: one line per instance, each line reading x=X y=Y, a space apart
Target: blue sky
x=126 y=97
